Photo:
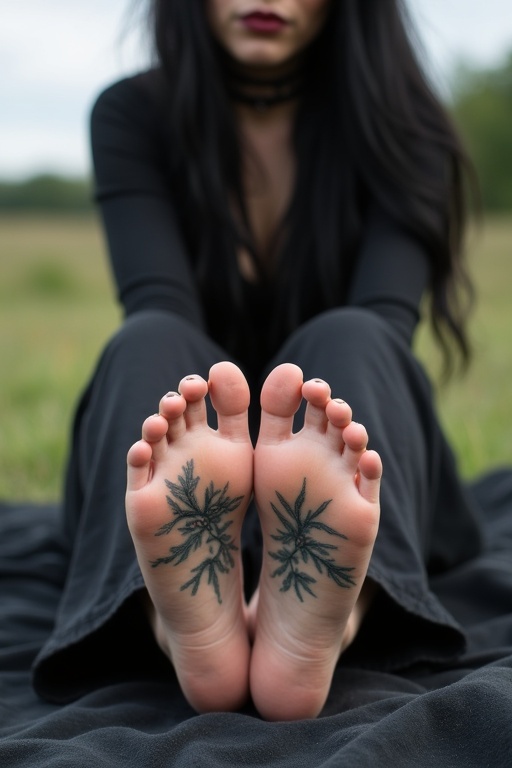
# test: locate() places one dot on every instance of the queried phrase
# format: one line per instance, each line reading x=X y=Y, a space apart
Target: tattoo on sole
x=300 y=546
x=200 y=523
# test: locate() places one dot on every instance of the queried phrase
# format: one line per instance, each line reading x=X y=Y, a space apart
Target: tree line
x=46 y=193
x=482 y=109
x=481 y=106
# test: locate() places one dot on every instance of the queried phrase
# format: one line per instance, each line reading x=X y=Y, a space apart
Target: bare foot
x=317 y=493
x=187 y=493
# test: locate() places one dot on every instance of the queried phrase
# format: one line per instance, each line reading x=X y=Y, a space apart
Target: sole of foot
x=317 y=493
x=187 y=492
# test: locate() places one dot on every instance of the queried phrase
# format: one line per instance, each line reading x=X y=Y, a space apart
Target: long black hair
x=368 y=127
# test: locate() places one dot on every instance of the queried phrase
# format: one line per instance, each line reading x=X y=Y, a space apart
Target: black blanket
x=456 y=715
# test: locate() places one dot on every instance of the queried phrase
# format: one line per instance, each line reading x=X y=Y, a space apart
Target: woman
x=278 y=196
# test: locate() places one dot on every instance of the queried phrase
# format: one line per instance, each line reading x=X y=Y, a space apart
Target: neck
x=263 y=89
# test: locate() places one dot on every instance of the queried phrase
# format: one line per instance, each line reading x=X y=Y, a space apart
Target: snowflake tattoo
x=200 y=524
x=296 y=536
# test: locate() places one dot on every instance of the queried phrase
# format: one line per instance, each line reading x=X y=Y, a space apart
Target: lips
x=264 y=23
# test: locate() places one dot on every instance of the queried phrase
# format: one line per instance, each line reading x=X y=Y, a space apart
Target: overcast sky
x=55 y=56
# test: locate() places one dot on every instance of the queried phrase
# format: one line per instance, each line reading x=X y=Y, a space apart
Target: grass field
x=57 y=309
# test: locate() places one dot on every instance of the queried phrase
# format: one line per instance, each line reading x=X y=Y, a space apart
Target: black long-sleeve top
x=151 y=266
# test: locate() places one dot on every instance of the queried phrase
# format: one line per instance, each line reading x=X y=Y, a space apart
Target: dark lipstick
x=264 y=23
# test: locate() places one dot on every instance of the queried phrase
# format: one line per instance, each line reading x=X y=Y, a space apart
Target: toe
x=194 y=389
x=281 y=397
x=139 y=465
x=339 y=414
x=355 y=438
x=154 y=431
x=370 y=473
x=172 y=408
x=229 y=393
x=317 y=394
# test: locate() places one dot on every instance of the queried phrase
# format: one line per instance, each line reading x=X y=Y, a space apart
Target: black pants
x=427 y=523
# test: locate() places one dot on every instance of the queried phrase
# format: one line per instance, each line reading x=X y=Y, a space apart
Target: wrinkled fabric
x=455 y=715
x=428 y=523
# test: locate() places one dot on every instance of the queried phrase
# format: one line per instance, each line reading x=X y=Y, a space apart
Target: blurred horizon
x=59 y=56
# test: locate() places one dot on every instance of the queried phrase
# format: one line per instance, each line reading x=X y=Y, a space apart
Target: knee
x=342 y=326
x=144 y=336
x=150 y=328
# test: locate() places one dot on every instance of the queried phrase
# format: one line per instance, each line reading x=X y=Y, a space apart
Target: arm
x=391 y=274
x=147 y=254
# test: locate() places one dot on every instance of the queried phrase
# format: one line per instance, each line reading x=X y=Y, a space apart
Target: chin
x=261 y=54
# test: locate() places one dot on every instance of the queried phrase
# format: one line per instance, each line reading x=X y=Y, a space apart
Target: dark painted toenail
x=318 y=381
x=339 y=400
x=190 y=378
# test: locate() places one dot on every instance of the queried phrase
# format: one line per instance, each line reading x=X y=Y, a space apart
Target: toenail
x=339 y=400
x=318 y=381
x=172 y=394
x=190 y=378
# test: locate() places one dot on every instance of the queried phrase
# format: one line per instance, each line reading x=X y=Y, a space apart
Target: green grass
x=476 y=409
x=57 y=309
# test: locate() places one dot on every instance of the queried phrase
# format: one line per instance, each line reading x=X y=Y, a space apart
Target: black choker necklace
x=263 y=93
